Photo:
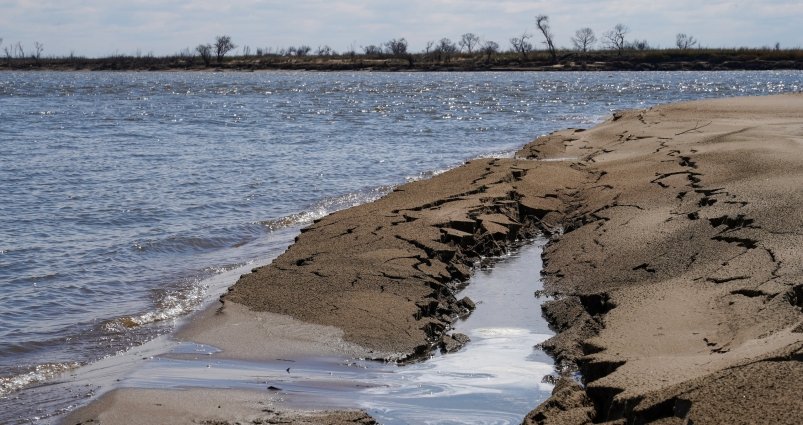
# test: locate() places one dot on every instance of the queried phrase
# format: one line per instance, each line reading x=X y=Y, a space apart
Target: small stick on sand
x=698 y=127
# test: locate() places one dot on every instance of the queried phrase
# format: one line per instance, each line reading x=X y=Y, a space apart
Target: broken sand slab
x=386 y=273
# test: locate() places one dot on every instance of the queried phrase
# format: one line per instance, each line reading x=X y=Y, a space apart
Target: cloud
x=96 y=27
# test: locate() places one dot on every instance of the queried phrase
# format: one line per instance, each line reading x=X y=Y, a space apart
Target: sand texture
x=205 y=407
x=674 y=261
x=386 y=272
x=681 y=266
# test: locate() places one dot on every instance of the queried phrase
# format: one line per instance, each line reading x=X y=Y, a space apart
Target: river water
x=121 y=194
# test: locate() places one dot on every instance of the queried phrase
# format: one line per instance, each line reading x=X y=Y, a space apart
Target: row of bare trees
x=584 y=40
x=17 y=50
x=614 y=39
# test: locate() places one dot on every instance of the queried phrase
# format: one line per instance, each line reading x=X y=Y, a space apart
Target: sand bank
x=681 y=265
x=674 y=255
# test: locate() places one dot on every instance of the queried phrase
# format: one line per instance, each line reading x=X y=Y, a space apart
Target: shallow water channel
x=496 y=378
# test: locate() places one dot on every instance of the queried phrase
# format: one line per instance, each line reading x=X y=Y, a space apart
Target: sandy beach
x=673 y=259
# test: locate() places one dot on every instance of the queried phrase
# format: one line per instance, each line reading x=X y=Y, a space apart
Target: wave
x=170 y=305
x=182 y=243
x=497 y=154
x=327 y=206
x=426 y=175
x=39 y=373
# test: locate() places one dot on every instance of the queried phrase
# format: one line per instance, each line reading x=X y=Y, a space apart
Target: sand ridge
x=387 y=272
x=682 y=267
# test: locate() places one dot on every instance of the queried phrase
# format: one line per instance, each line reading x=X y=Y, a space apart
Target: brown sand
x=685 y=255
x=384 y=272
x=279 y=336
x=674 y=255
x=202 y=406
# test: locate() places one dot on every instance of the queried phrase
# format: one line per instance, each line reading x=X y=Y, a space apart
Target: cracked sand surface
x=386 y=272
x=691 y=237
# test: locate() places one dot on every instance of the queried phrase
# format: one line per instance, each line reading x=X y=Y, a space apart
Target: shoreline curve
x=673 y=258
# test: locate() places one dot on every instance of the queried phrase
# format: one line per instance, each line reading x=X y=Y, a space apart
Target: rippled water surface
x=121 y=192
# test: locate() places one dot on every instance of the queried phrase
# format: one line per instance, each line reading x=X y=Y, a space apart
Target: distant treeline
x=643 y=60
x=469 y=53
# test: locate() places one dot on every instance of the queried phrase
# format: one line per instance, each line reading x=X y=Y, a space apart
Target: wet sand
x=674 y=258
x=204 y=406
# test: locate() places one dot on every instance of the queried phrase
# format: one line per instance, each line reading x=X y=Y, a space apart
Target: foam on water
x=325 y=207
x=40 y=373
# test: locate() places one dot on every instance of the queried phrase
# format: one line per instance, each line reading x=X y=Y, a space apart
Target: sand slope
x=686 y=253
x=386 y=272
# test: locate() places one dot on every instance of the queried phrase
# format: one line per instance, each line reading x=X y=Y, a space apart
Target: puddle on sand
x=495 y=378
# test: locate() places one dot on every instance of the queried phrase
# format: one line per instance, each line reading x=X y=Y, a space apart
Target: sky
x=96 y=28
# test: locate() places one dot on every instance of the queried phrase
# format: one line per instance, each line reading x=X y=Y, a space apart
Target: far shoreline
x=633 y=60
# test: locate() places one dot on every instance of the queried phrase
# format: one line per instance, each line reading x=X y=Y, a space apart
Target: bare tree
x=445 y=49
x=489 y=48
x=584 y=39
x=222 y=46
x=521 y=45
x=639 y=45
x=205 y=52
x=469 y=41
x=38 y=48
x=542 y=22
x=303 y=50
x=684 y=41
x=9 y=51
x=615 y=38
x=324 y=51
x=430 y=45
x=396 y=47
x=20 y=50
x=372 y=50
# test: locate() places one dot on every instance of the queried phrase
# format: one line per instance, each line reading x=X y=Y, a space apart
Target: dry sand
x=684 y=252
x=674 y=257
